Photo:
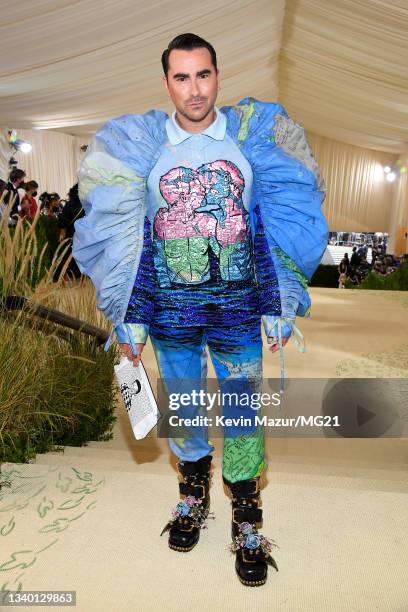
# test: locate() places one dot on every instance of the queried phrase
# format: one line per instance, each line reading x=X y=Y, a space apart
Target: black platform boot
x=252 y=549
x=190 y=514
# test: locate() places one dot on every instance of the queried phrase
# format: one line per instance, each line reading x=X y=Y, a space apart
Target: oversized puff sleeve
x=289 y=191
x=108 y=241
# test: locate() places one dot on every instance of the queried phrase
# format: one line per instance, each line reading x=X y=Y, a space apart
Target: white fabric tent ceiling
x=344 y=70
x=78 y=63
x=339 y=67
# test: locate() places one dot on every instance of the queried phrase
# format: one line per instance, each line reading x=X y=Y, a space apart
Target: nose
x=195 y=90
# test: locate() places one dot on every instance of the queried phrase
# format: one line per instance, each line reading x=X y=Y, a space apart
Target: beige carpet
x=89 y=519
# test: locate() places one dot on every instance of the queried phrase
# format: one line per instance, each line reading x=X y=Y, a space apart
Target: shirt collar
x=216 y=130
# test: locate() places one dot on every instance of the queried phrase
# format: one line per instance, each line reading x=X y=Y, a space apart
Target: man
x=197 y=226
x=355 y=258
x=69 y=214
x=16 y=180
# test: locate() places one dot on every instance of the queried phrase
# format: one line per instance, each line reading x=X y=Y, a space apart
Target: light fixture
x=17 y=144
x=387 y=169
x=378 y=172
x=23 y=146
x=391 y=176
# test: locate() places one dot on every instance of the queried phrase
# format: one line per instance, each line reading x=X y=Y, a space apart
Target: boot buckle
x=245 y=488
x=234 y=520
x=187 y=488
x=257 y=487
x=249 y=556
x=200 y=486
x=248 y=515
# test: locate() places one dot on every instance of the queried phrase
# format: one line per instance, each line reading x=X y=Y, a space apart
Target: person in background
x=389 y=264
x=374 y=254
x=29 y=204
x=382 y=247
x=382 y=270
x=3 y=186
x=355 y=258
x=362 y=250
x=69 y=214
x=16 y=179
x=50 y=204
x=343 y=269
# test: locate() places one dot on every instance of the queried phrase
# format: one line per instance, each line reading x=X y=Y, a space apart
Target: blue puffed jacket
x=287 y=187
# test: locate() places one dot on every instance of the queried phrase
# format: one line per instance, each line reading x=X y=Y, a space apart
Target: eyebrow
x=186 y=75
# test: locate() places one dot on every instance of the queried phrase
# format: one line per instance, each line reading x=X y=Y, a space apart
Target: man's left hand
x=274 y=342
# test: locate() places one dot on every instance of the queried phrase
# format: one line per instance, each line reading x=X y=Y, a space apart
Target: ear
x=165 y=83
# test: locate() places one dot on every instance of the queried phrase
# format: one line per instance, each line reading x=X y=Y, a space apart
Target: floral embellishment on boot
x=190 y=507
x=249 y=538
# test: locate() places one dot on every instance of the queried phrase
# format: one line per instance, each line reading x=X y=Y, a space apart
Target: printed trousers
x=236 y=354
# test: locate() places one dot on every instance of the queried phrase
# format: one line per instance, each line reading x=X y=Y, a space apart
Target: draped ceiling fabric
x=72 y=64
x=338 y=67
x=344 y=70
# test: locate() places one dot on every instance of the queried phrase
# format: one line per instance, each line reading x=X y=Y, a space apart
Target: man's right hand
x=127 y=351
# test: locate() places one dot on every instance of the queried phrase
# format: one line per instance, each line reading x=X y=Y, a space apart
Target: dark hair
x=31 y=185
x=16 y=174
x=187 y=42
x=73 y=192
x=45 y=198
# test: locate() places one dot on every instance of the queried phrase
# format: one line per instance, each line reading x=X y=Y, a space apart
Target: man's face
x=192 y=83
x=19 y=182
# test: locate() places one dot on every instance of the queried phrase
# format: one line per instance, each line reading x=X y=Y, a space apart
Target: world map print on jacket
x=204 y=211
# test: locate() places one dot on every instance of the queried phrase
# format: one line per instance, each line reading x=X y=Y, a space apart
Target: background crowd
x=20 y=195
x=357 y=267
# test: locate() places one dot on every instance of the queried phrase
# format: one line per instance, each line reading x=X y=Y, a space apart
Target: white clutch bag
x=138 y=397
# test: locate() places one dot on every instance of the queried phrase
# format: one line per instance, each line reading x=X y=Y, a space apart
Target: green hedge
x=325 y=276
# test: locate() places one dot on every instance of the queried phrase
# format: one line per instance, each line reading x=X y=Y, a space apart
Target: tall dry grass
x=55 y=387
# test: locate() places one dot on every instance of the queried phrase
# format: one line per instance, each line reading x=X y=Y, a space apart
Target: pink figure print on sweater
x=182 y=190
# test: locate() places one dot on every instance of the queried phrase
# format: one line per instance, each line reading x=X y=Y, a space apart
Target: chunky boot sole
x=252 y=583
x=181 y=549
